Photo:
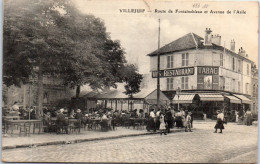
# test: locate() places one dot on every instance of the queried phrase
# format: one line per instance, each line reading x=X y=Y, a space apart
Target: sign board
x=208 y=70
x=174 y=72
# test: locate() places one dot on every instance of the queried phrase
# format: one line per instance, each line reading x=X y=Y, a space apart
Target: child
x=162 y=124
x=188 y=122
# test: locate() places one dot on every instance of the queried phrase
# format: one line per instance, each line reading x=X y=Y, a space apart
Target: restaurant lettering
x=208 y=70
x=174 y=72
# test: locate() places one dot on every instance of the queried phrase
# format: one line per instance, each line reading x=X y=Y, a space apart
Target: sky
x=138 y=32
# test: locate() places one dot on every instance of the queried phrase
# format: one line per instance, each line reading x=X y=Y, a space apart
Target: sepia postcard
x=132 y=81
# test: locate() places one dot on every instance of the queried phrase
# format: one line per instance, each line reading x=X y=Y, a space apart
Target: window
x=185 y=59
x=254 y=90
x=247 y=89
x=238 y=86
x=239 y=66
x=233 y=64
x=222 y=83
x=233 y=85
x=169 y=83
x=170 y=61
x=221 y=60
x=184 y=82
x=247 y=69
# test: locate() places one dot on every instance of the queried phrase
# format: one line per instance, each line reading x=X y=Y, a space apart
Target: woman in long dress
x=220 y=119
x=162 y=124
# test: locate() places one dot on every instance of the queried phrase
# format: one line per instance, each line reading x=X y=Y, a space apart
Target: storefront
x=209 y=103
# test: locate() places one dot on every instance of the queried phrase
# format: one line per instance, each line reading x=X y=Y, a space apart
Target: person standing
x=157 y=119
x=162 y=127
x=169 y=120
x=151 y=121
x=178 y=119
x=219 y=124
x=62 y=123
x=188 y=122
x=248 y=118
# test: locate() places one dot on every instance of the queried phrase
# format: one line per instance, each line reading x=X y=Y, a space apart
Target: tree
x=46 y=37
x=42 y=37
x=133 y=80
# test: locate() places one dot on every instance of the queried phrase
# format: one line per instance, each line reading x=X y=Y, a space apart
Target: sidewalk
x=10 y=142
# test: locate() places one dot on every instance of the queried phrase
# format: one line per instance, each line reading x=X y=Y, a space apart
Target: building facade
x=209 y=75
x=27 y=95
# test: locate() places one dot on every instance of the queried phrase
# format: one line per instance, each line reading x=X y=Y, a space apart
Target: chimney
x=232 y=45
x=208 y=37
x=216 y=39
x=242 y=52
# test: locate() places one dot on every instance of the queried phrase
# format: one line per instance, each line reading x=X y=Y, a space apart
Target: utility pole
x=158 y=70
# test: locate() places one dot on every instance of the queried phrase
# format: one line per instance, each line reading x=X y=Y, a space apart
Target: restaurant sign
x=208 y=70
x=174 y=72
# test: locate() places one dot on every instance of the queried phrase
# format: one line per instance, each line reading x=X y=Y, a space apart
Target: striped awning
x=233 y=99
x=183 y=99
x=211 y=97
x=244 y=99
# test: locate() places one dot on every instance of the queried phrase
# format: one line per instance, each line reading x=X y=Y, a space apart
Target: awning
x=244 y=99
x=183 y=99
x=233 y=99
x=211 y=97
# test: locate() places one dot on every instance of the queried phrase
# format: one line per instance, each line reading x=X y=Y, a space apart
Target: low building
x=117 y=100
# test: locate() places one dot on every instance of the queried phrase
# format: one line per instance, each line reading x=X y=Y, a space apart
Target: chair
x=74 y=126
x=104 y=125
x=126 y=122
x=62 y=127
x=138 y=123
x=25 y=128
x=109 y=124
x=95 y=124
x=46 y=126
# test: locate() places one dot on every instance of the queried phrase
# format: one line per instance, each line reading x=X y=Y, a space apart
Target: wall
x=26 y=95
x=208 y=57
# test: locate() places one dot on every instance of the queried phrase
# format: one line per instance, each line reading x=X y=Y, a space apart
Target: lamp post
x=178 y=91
x=158 y=70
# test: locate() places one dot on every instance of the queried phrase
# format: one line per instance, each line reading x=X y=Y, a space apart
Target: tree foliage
x=47 y=37
x=133 y=80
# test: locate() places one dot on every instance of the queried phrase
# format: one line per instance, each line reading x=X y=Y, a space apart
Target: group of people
x=25 y=113
x=164 y=120
x=82 y=118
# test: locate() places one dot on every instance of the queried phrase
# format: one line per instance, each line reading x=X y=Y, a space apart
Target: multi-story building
x=209 y=75
x=254 y=74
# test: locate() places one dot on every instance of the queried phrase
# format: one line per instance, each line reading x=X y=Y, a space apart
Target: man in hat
x=219 y=124
x=79 y=117
x=61 y=122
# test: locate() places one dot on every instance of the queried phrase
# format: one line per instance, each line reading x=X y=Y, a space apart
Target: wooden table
x=94 y=123
x=12 y=123
x=11 y=117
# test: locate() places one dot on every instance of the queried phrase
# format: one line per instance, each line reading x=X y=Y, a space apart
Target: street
x=238 y=143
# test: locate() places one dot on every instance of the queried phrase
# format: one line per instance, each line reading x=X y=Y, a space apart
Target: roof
x=114 y=94
x=117 y=94
x=188 y=41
